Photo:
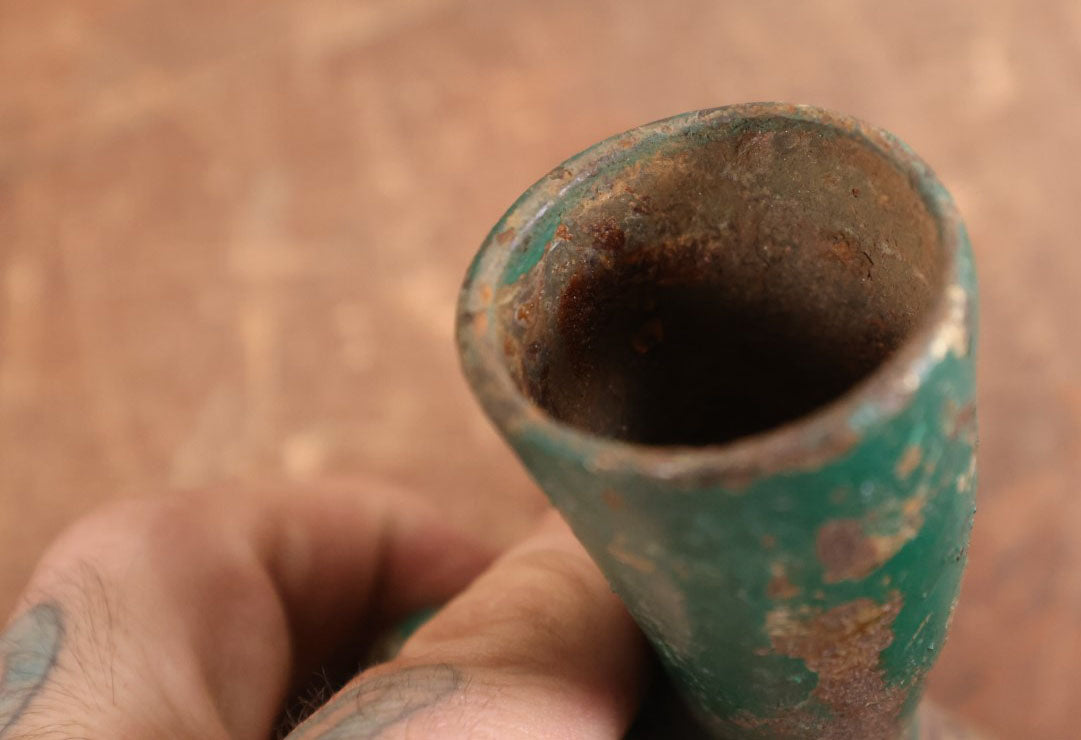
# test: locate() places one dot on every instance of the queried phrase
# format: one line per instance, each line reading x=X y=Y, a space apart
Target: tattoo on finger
x=28 y=653
x=367 y=709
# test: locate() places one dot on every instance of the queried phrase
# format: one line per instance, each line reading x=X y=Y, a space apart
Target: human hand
x=199 y=616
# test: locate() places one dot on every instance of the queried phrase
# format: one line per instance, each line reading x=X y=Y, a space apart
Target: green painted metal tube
x=735 y=348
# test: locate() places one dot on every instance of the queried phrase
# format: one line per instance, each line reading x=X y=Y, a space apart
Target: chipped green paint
x=797 y=582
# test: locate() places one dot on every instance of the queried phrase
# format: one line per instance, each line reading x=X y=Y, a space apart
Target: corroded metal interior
x=723 y=286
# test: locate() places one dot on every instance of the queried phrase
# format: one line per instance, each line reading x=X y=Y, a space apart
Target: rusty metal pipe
x=735 y=348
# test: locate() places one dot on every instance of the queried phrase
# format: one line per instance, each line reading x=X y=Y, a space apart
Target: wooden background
x=232 y=231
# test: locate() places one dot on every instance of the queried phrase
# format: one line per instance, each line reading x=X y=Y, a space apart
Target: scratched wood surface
x=231 y=235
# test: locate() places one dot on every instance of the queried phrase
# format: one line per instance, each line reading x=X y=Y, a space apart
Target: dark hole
x=692 y=362
x=724 y=289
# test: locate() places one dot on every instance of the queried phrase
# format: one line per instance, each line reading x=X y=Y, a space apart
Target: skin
x=199 y=616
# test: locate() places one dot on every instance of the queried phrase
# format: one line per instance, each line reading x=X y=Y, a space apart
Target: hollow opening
x=722 y=286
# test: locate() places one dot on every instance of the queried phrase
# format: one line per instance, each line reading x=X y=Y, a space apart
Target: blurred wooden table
x=232 y=232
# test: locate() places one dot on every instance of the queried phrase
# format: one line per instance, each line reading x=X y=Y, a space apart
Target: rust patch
x=756 y=149
x=898 y=525
x=563 y=233
x=524 y=312
x=845 y=551
x=485 y=293
x=560 y=173
x=617 y=549
x=780 y=587
x=505 y=236
x=843 y=647
x=960 y=420
x=847 y=252
x=909 y=461
x=613 y=499
x=641 y=205
x=851 y=549
x=608 y=236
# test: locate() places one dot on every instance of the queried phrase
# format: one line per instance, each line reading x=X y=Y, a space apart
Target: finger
x=537 y=647
x=190 y=616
